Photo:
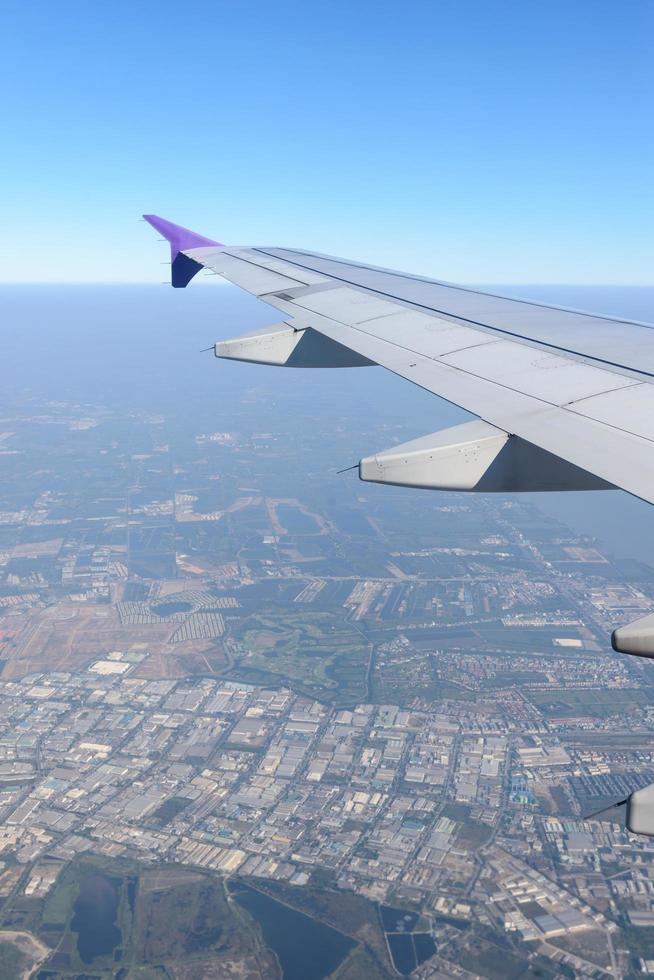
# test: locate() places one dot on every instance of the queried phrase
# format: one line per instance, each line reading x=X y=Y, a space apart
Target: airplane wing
x=575 y=385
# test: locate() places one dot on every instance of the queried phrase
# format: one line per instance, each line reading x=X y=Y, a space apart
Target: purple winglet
x=180 y=238
x=183 y=267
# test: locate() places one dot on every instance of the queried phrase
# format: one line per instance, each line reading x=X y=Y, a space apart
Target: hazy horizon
x=143 y=344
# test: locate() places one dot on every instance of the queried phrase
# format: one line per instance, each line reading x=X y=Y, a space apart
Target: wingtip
x=180 y=238
x=183 y=267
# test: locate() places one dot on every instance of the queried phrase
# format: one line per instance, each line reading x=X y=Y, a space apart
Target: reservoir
x=94 y=921
x=296 y=521
x=306 y=949
x=165 y=609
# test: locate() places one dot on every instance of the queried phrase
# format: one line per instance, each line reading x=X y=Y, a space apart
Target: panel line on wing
x=421 y=354
x=452 y=285
x=456 y=398
x=489 y=327
x=508 y=359
x=598 y=394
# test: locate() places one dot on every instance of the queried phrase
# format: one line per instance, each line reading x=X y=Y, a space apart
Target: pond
x=403 y=953
x=397 y=920
x=424 y=946
x=409 y=950
x=94 y=918
x=306 y=949
x=296 y=521
x=164 y=609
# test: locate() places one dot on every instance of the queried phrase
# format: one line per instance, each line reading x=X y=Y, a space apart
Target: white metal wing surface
x=576 y=385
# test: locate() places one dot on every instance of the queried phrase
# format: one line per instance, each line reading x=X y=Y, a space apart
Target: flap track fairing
x=477 y=457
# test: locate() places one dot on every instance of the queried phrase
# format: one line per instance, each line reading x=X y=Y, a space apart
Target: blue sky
x=476 y=141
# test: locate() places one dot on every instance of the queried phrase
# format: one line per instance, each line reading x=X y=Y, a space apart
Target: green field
x=12 y=962
x=173 y=923
x=402 y=680
x=319 y=654
x=597 y=702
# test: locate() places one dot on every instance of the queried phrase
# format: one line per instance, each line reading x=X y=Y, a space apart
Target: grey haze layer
x=139 y=346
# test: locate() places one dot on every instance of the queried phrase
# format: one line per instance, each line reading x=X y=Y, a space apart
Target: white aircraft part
x=284 y=346
x=549 y=377
x=576 y=385
x=636 y=813
x=478 y=457
x=236 y=265
x=347 y=305
x=636 y=638
x=640 y=811
x=631 y=408
x=587 y=335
